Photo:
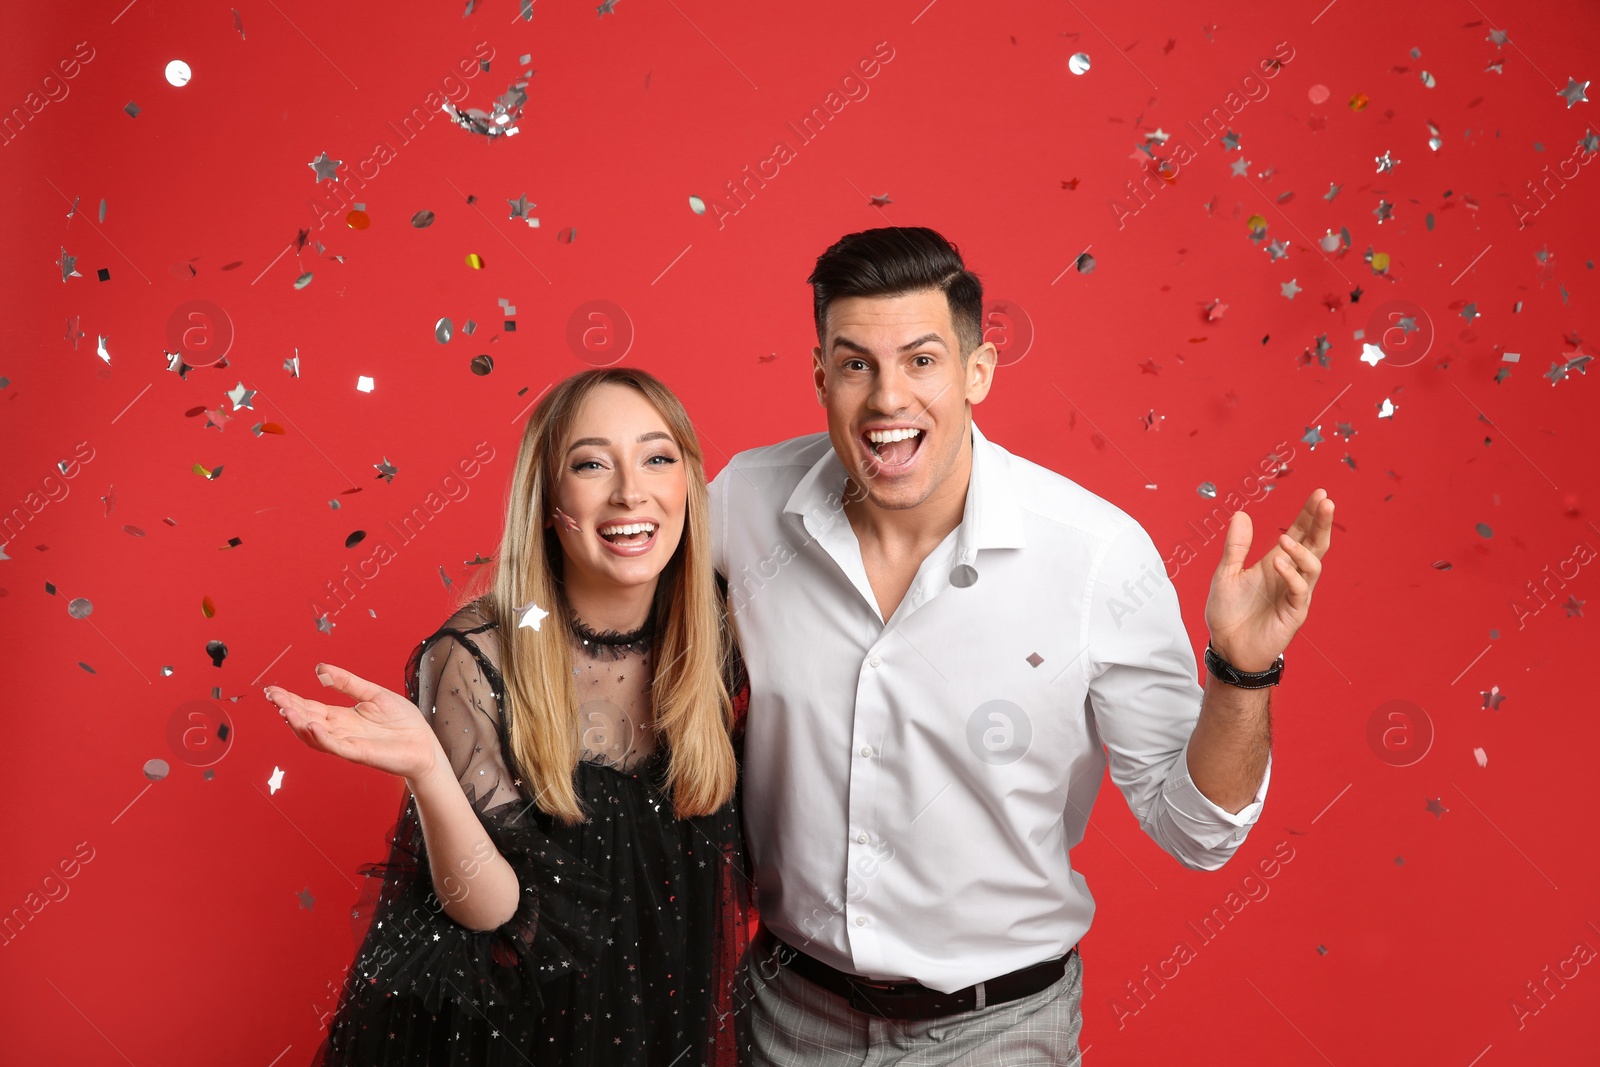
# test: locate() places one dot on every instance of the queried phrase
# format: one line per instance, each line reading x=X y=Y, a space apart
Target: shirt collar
x=991 y=518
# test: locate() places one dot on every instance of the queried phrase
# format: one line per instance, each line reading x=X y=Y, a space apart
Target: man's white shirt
x=913 y=785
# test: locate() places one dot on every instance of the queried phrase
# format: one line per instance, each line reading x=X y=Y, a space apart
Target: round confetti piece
x=1358 y=102
x=474 y=261
x=482 y=365
x=1329 y=242
x=303 y=281
x=1079 y=63
x=568 y=235
x=178 y=73
x=1255 y=222
x=422 y=219
x=443 y=330
x=357 y=220
x=1380 y=262
x=207 y=608
x=80 y=608
x=355 y=538
x=1318 y=94
x=156 y=769
x=1484 y=530
x=697 y=205
x=964 y=576
x=1085 y=264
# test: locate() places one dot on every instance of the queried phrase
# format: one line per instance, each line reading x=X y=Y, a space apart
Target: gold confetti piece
x=201 y=470
x=271 y=427
x=474 y=261
x=357 y=220
x=1380 y=262
x=1359 y=102
x=207 y=608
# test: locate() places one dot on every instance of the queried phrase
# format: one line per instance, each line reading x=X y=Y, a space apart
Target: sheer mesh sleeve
x=413 y=947
x=736 y=914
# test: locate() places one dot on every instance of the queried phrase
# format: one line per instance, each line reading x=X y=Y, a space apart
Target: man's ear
x=819 y=374
x=981 y=365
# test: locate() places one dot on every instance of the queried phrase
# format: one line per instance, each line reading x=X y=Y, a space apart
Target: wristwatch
x=1227 y=672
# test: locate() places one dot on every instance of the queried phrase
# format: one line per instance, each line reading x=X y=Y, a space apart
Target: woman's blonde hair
x=693 y=710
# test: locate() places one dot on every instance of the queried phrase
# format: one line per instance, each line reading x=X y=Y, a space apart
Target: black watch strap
x=1227 y=672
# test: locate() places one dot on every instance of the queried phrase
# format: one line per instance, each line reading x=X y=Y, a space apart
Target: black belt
x=913 y=1000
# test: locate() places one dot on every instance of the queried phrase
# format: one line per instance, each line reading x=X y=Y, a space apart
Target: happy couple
x=868 y=679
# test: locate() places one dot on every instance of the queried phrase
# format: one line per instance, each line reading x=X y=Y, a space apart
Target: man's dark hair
x=893 y=261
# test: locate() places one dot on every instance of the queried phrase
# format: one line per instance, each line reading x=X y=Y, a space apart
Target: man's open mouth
x=894 y=448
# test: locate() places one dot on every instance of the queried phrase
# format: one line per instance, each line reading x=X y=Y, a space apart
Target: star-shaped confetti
x=1345 y=430
x=1371 y=353
x=1289 y=288
x=1436 y=806
x=68 y=265
x=607 y=7
x=276 y=781
x=325 y=625
x=241 y=397
x=327 y=169
x=884 y=201
x=1383 y=211
x=1573 y=93
x=292 y=364
x=307 y=901
x=1589 y=142
x=1230 y=141
x=1470 y=312
x=1574 y=607
x=519 y=210
x=1215 y=310
x=1491 y=698
x=386 y=470
x=1355 y=295
x=531 y=614
x=1497 y=38
x=1240 y=167
x=1556 y=372
x=1387 y=408
x=1384 y=162
x=1278 y=250
x=1313 y=436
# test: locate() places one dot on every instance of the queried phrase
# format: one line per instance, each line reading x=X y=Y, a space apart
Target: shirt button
x=862 y=838
x=861 y=920
x=866 y=750
x=875 y=661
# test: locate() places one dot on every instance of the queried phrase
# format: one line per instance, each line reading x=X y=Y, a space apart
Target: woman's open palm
x=383 y=729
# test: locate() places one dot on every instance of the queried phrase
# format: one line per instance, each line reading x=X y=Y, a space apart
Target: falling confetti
x=1079 y=63
x=531 y=614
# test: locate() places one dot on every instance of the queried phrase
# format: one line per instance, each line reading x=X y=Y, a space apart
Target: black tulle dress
x=624 y=947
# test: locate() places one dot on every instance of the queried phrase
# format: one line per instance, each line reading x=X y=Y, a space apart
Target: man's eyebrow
x=927 y=338
x=653 y=435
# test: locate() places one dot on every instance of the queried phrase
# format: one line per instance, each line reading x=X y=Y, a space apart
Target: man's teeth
x=883 y=437
x=629 y=530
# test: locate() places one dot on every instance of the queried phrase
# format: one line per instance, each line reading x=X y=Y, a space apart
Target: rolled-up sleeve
x=1145 y=700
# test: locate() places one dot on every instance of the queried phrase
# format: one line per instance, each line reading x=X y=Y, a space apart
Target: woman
x=567 y=879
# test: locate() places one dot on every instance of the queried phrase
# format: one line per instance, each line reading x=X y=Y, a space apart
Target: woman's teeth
x=627 y=531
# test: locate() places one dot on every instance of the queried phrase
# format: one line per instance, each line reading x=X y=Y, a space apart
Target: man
x=946 y=645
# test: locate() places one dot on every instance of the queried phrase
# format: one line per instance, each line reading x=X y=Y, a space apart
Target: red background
x=214 y=913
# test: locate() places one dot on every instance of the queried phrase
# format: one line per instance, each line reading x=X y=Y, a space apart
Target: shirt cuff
x=1198 y=809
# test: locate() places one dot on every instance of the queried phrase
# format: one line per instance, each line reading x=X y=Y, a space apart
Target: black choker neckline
x=612 y=644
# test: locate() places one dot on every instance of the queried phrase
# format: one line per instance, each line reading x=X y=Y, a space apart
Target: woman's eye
x=663 y=458
x=585 y=464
